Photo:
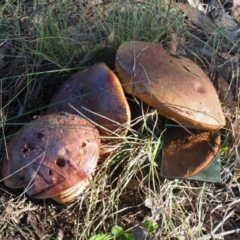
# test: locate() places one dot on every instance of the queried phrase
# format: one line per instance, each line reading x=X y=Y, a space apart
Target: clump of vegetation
x=119 y=233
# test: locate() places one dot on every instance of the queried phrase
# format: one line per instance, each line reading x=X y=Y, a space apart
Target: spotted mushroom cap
x=51 y=154
x=174 y=85
x=97 y=94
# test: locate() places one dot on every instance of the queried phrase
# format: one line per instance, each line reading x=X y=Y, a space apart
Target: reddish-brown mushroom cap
x=98 y=95
x=174 y=85
x=51 y=154
x=187 y=152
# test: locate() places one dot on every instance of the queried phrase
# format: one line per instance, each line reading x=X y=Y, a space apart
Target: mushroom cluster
x=181 y=91
x=55 y=155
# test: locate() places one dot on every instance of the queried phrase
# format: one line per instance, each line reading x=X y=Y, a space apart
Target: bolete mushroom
x=180 y=91
x=98 y=95
x=174 y=85
x=187 y=152
x=52 y=157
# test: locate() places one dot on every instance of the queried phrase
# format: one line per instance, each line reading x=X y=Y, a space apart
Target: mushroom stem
x=71 y=194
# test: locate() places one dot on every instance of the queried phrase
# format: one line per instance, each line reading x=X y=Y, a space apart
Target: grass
x=43 y=43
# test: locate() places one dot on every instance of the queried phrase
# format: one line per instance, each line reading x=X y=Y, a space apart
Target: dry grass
x=42 y=43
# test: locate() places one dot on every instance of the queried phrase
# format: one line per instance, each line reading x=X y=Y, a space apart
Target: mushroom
x=174 y=85
x=186 y=153
x=52 y=157
x=180 y=91
x=97 y=94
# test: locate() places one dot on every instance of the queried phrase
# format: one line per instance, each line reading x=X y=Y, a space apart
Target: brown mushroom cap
x=51 y=154
x=187 y=152
x=174 y=85
x=98 y=90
